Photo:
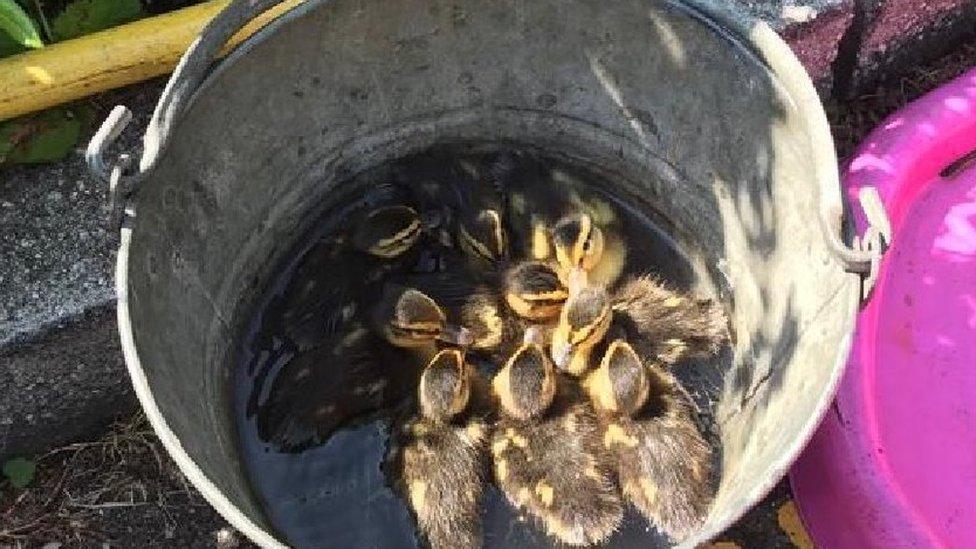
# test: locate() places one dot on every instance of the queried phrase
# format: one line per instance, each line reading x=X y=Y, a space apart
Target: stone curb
x=64 y=386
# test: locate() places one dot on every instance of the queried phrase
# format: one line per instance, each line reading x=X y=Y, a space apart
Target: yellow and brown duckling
x=472 y=307
x=387 y=232
x=323 y=389
x=533 y=297
x=662 y=461
x=534 y=292
x=580 y=242
x=663 y=325
x=335 y=276
x=583 y=323
x=577 y=242
x=439 y=454
x=410 y=319
x=482 y=237
x=546 y=451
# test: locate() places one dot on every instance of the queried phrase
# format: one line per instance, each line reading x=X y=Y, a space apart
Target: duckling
x=583 y=323
x=482 y=237
x=534 y=291
x=531 y=291
x=546 y=452
x=662 y=462
x=664 y=325
x=534 y=203
x=408 y=318
x=388 y=232
x=466 y=303
x=332 y=278
x=580 y=242
x=439 y=454
x=350 y=376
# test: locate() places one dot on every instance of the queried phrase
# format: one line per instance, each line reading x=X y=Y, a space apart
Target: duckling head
x=526 y=385
x=578 y=242
x=481 y=235
x=583 y=322
x=411 y=319
x=444 y=386
x=620 y=385
x=533 y=291
x=388 y=232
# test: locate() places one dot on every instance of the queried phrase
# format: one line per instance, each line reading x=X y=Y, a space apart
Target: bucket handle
x=122 y=173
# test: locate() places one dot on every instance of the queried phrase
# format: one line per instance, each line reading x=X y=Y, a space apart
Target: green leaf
x=44 y=137
x=82 y=17
x=18 y=26
x=9 y=46
x=19 y=471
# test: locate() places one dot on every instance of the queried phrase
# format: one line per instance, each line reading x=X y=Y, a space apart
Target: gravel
x=56 y=257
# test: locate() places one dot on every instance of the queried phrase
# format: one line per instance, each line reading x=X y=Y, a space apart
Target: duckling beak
x=457 y=335
x=577 y=280
x=562 y=353
x=534 y=334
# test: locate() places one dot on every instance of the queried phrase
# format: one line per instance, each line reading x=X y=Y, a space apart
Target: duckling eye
x=587 y=244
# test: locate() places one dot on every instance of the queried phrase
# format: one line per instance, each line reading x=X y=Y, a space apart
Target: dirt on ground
x=122 y=490
x=851 y=121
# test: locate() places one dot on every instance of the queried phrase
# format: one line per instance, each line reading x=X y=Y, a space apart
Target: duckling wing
x=442 y=478
x=665 y=471
x=552 y=470
x=676 y=325
x=322 y=296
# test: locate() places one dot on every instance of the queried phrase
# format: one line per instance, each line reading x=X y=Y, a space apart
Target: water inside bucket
x=323 y=482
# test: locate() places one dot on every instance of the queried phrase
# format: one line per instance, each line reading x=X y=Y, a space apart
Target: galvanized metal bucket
x=704 y=111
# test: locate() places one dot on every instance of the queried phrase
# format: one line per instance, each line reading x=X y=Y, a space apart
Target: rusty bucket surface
x=704 y=112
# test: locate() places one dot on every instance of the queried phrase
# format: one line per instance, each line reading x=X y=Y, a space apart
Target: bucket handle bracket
x=864 y=255
x=119 y=174
x=126 y=171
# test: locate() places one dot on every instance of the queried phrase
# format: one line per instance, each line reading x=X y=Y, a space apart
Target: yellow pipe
x=110 y=59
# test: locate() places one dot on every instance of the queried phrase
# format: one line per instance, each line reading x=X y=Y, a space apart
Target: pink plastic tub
x=894 y=464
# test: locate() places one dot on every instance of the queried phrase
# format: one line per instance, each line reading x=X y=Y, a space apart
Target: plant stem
x=44 y=24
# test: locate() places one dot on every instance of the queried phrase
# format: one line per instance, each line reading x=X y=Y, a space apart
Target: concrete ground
x=61 y=376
